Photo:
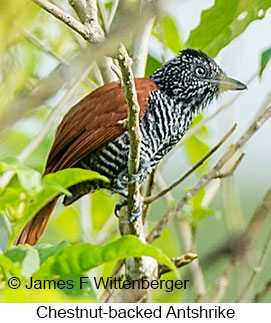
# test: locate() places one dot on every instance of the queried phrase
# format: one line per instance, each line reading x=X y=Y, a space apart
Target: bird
x=90 y=135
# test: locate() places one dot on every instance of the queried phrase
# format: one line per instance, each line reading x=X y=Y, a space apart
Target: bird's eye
x=200 y=71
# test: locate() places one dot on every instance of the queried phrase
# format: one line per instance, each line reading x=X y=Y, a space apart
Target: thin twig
x=258 y=218
x=189 y=244
x=79 y=7
x=215 y=172
x=238 y=248
x=148 y=191
x=262 y=293
x=187 y=241
x=50 y=52
x=115 y=4
x=222 y=283
x=192 y=169
x=103 y=15
x=178 y=262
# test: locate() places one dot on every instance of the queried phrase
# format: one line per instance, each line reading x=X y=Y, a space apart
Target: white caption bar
x=185 y=312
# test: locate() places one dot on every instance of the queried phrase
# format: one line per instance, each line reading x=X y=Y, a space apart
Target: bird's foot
x=135 y=178
x=134 y=215
x=121 y=180
x=119 y=206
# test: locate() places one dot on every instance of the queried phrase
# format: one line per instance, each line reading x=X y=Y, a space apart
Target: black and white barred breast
x=162 y=127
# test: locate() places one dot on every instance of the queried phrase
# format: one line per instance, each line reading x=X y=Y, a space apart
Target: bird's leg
x=122 y=182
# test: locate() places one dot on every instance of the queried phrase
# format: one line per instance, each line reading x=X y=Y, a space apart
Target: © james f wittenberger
x=100 y=283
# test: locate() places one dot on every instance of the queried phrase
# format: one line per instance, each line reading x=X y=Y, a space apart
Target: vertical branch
x=133 y=126
x=136 y=268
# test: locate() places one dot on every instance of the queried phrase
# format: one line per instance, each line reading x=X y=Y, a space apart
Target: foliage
x=265 y=58
x=225 y=21
x=62 y=262
x=22 y=199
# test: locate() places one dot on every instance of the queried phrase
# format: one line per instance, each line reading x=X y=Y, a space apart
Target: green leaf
x=82 y=257
x=196 y=149
x=29 y=178
x=52 y=186
x=66 y=225
x=198 y=211
x=47 y=250
x=195 y=146
x=265 y=58
x=27 y=257
x=101 y=214
x=223 y=22
x=11 y=197
x=64 y=179
x=8 y=267
x=152 y=65
x=80 y=290
x=171 y=34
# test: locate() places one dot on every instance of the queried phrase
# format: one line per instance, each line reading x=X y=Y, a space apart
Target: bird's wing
x=93 y=122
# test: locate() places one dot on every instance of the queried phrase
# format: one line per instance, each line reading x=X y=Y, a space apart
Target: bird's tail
x=35 y=228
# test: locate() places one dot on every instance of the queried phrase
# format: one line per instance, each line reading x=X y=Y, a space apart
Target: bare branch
x=262 y=293
x=178 y=262
x=115 y=4
x=212 y=174
x=77 y=65
x=89 y=17
x=92 y=22
x=192 y=169
x=238 y=248
x=79 y=8
x=141 y=42
x=144 y=266
x=259 y=215
x=222 y=283
x=85 y=31
x=257 y=219
x=50 y=52
x=148 y=191
x=133 y=126
x=188 y=241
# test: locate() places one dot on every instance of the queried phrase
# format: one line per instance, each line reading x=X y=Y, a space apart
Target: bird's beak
x=227 y=83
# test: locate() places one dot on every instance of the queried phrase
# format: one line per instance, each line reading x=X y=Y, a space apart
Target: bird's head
x=194 y=79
